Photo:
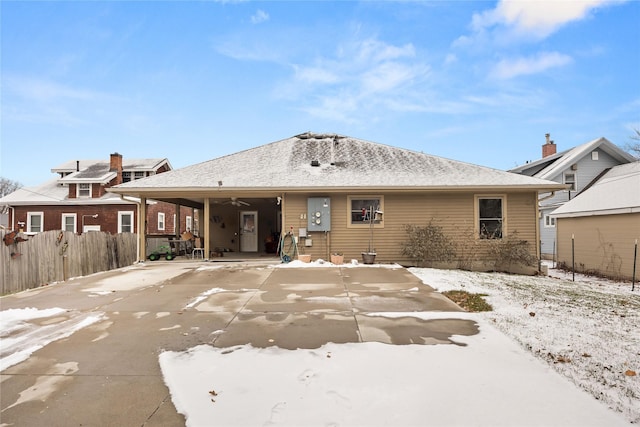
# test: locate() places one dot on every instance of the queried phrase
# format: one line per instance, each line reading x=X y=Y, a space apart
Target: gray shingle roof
x=342 y=162
x=52 y=193
x=618 y=191
x=127 y=164
x=561 y=161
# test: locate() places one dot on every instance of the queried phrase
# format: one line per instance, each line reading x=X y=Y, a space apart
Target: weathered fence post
x=65 y=268
x=573 y=256
x=635 y=261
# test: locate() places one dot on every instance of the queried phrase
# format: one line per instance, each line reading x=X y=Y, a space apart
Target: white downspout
x=123 y=198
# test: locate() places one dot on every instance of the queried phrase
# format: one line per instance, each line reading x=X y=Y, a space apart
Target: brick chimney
x=549 y=148
x=116 y=165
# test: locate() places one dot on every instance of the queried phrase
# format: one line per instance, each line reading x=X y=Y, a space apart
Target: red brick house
x=77 y=200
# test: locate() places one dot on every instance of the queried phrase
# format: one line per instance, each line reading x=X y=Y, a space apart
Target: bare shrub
x=467 y=250
x=428 y=244
x=509 y=251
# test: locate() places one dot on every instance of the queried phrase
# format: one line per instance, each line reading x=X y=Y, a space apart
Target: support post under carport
x=142 y=229
x=206 y=229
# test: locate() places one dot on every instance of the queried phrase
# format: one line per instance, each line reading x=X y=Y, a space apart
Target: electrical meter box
x=319 y=214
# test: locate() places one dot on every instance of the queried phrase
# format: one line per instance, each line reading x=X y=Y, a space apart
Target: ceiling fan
x=235 y=202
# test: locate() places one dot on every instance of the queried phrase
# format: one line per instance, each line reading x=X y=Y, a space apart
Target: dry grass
x=469 y=302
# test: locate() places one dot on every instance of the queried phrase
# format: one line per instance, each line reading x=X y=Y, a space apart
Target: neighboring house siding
x=107 y=215
x=454 y=212
x=547 y=235
x=603 y=244
x=169 y=210
x=587 y=170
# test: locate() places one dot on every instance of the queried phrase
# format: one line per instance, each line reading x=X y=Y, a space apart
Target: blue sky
x=480 y=82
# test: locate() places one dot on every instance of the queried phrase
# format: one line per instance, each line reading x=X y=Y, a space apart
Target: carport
x=227 y=220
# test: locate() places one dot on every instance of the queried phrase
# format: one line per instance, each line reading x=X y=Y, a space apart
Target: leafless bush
x=511 y=250
x=428 y=244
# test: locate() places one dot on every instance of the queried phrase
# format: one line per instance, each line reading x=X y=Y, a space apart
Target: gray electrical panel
x=319 y=213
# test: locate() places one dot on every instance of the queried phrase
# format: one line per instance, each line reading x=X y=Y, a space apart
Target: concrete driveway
x=108 y=373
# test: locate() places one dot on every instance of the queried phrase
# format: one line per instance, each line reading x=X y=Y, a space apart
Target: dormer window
x=130 y=176
x=84 y=190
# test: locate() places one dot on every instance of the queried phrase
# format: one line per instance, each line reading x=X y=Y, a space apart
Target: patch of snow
x=203 y=296
x=322 y=263
x=26 y=338
x=376 y=384
x=134 y=277
x=587 y=330
x=14 y=319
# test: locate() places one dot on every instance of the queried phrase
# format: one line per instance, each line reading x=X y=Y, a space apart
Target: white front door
x=248 y=231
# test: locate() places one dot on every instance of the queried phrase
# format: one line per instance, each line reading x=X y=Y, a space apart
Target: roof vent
x=315 y=163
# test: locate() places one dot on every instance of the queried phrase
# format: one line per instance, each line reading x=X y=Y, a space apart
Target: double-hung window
x=365 y=211
x=35 y=222
x=490 y=217
x=125 y=222
x=84 y=189
x=161 y=221
x=69 y=222
x=549 y=221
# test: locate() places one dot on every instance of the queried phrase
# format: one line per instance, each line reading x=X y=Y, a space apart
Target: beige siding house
x=604 y=223
x=335 y=194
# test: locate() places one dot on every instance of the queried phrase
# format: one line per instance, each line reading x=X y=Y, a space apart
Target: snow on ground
x=376 y=384
x=138 y=277
x=20 y=338
x=322 y=263
x=587 y=330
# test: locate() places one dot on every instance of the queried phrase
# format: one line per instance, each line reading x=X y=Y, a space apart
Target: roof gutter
x=553 y=193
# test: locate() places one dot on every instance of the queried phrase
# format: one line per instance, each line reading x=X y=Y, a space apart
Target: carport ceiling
x=198 y=203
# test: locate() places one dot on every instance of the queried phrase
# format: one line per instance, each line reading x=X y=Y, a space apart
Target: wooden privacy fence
x=54 y=256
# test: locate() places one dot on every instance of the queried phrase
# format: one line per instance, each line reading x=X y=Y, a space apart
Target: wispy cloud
x=259 y=17
x=362 y=74
x=44 y=90
x=510 y=68
x=39 y=100
x=536 y=18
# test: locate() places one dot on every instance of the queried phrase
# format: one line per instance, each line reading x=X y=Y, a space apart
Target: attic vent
x=315 y=163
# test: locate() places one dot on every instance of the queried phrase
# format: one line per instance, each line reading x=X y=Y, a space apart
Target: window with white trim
x=126 y=176
x=83 y=189
x=161 y=221
x=125 y=222
x=139 y=174
x=189 y=221
x=69 y=221
x=594 y=155
x=570 y=178
x=549 y=221
x=365 y=210
x=35 y=222
x=490 y=212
